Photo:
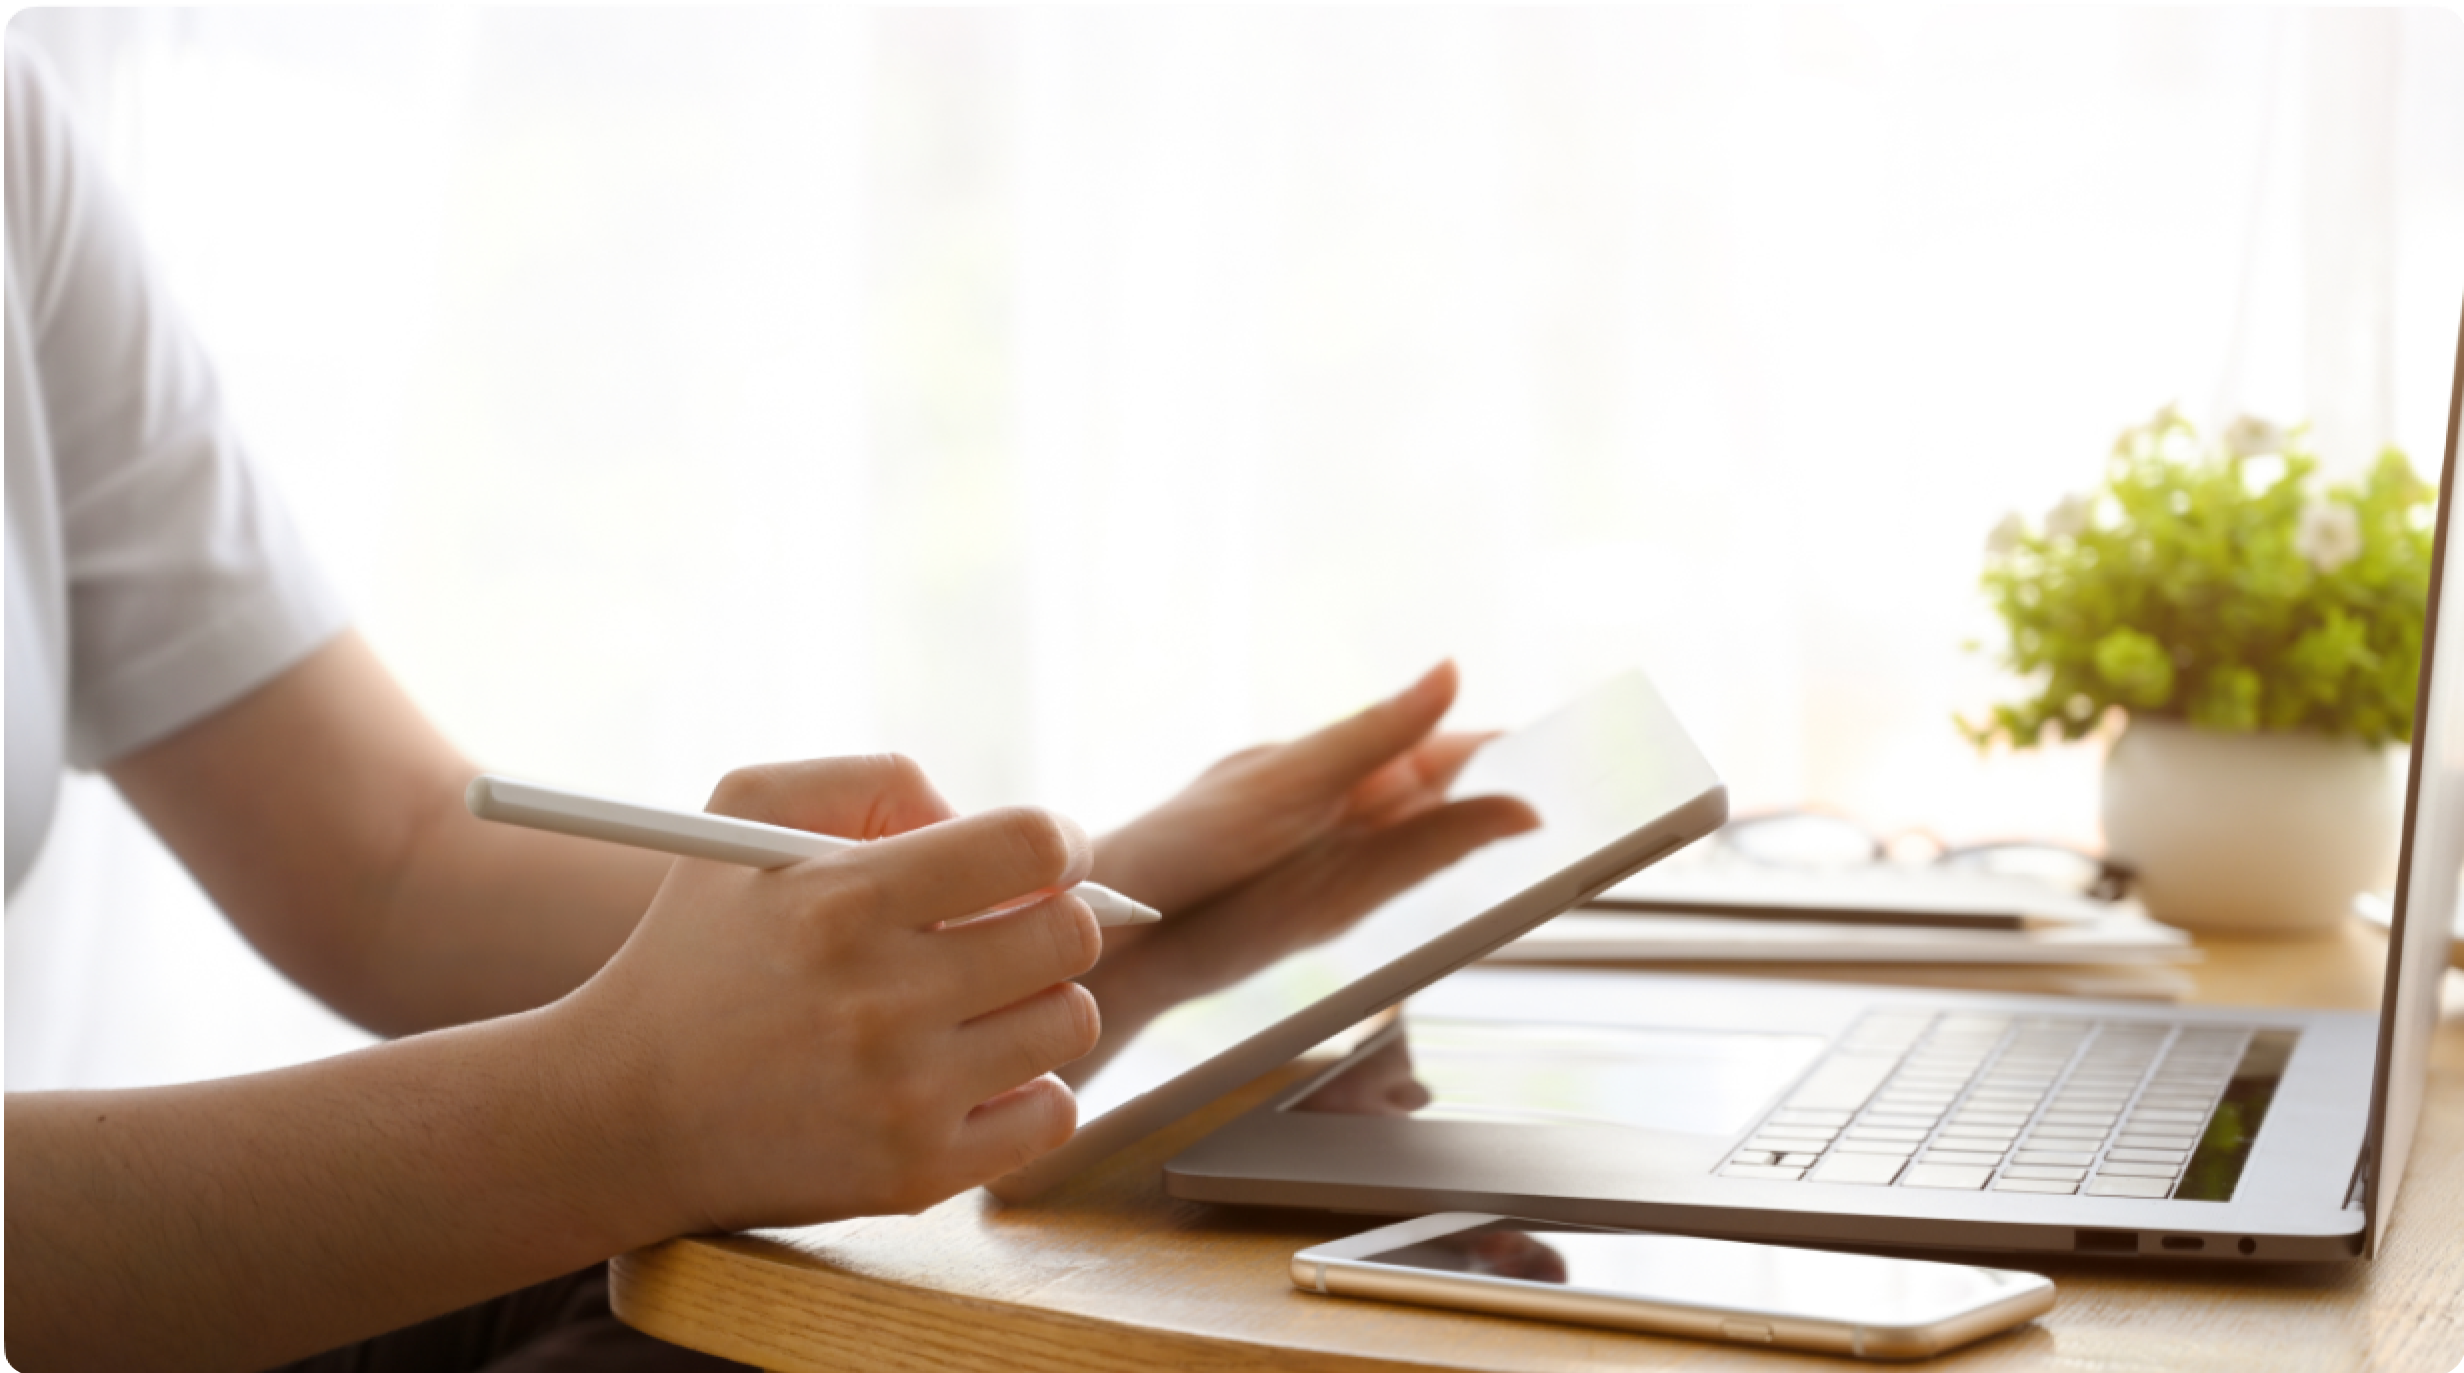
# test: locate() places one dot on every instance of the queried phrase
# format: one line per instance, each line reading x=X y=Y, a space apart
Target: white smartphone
x=1768 y=1294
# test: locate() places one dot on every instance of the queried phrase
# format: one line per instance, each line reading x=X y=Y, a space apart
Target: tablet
x=1617 y=786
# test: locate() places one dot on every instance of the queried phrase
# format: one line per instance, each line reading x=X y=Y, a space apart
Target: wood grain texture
x=1110 y=1274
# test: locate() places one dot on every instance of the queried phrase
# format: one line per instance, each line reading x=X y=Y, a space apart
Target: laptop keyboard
x=2049 y=1105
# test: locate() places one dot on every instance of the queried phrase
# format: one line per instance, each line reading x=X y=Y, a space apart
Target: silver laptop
x=1835 y=1114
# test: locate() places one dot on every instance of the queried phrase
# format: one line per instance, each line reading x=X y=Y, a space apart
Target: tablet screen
x=1597 y=771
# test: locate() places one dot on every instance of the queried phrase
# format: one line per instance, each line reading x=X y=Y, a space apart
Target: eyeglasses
x=1820 y=839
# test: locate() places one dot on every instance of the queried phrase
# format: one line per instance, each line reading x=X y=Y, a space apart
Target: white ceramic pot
x=2249 y=833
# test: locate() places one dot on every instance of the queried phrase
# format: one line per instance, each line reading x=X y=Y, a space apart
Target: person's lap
x=560 y=1326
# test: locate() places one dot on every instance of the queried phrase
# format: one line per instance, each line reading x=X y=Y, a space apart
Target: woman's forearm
x=487 y=920
x=245 y=1222
x=323 y=813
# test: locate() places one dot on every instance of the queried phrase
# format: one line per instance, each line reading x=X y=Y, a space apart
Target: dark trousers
x=560 y=1326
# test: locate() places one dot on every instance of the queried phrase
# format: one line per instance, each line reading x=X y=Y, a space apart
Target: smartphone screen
x=1718 y=1275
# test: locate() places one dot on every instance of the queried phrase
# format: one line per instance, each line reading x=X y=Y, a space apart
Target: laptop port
x=2249 y=1245
x=2105 y=1241
x=2184 y=1242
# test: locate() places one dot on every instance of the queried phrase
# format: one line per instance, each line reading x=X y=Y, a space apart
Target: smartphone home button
x=1751 y=1332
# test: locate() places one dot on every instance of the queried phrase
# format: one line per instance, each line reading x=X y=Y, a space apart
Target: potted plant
x=2257 y=636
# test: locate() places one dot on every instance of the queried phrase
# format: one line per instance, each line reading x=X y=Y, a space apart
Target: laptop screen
x=2430 y=874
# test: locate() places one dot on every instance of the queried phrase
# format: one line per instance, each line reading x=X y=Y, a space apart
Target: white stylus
x=697 y=834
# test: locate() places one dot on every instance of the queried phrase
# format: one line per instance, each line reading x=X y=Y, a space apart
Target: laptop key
x=1980 y=1159
x=2127 y=1169
x=1797 y=1160
x=1885 y=1132
x=1976 y=1023
x=1865 y=1170
x=1841 y=1082
x=1893 y=1147
x=1955 y=1176
x=2044 y=1172
x=1981 y=1144
x=2144 y=1141
x=2067 y=1157
x=1781 y=1144
x=2148 y=1155
x=1753 y=1156
x=2049 y=1186
x=2149 y=1188
x=1766 y=1174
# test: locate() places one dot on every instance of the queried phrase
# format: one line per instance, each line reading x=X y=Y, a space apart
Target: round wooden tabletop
x=1110 y=1273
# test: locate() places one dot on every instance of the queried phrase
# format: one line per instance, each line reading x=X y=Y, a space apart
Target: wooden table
x=1110 y=1274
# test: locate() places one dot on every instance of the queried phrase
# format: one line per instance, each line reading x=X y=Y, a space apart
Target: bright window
x=1068 y=397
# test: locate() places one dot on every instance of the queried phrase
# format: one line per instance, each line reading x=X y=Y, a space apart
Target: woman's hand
x=767 y=1048
x=1285 y=845
x=814 y=1042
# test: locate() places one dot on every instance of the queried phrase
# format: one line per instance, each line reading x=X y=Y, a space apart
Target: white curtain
x=1066 y=397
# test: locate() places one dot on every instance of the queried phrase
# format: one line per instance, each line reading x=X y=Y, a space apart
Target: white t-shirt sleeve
x=184 y=584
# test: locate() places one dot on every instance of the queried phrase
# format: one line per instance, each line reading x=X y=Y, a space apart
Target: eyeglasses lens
x=1800 y=840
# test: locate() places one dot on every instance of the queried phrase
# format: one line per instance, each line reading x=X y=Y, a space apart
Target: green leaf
x=2137 y=669
x=2191 y=594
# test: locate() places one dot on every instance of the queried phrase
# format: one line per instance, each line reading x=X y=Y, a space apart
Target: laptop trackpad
x=1689 y=1081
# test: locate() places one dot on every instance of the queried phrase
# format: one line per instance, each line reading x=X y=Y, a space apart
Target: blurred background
x=1067 y=397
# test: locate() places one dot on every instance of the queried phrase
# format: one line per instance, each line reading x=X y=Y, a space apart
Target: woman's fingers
x=1442 y=759
x=1012 y=1130
x=864 y=797
x=962 y=867
x=1333 y=760
x=1393 y=859
x=1024 y=1040
x=828 y=1010
x=1002 y=959
x=1415 y=781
